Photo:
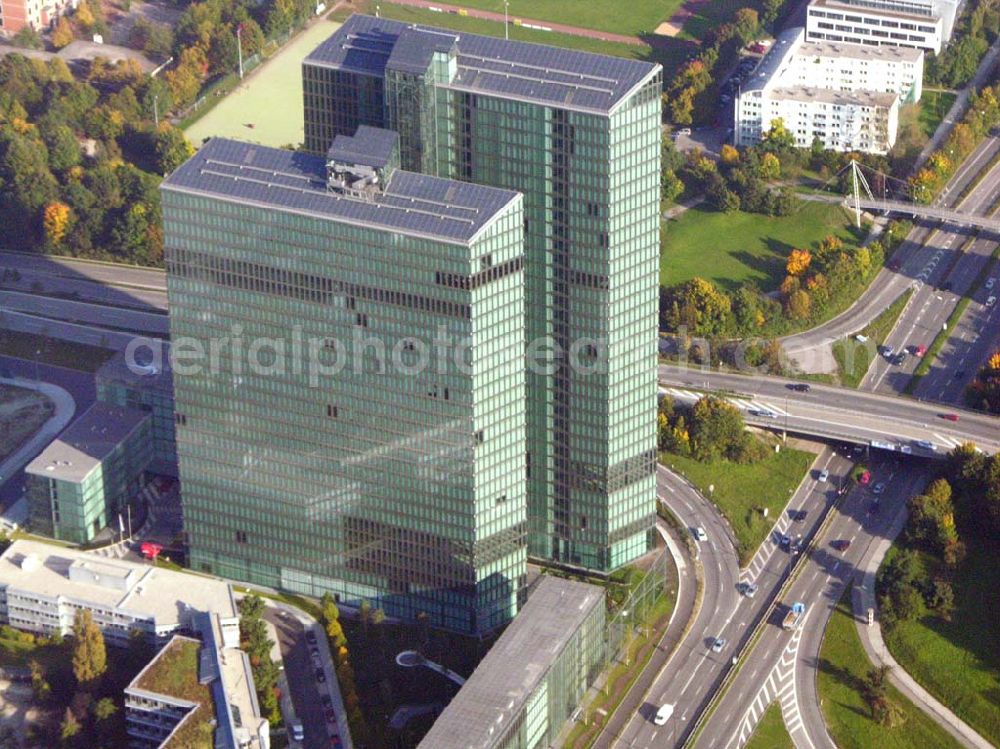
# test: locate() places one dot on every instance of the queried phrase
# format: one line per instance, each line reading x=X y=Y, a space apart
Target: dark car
x=799 y=387
x=327 y=700
x=331 y=715
x=784 y=541
x=310 y=637
x=320 y=676
x=841 y=545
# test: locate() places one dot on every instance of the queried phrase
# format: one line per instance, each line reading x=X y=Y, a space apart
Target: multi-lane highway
x=838 y=413
x=782 y=666
x=942 y=270
x=811 y=349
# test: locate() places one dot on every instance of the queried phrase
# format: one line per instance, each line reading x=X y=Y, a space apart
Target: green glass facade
x=590 y=179
x=389 y=481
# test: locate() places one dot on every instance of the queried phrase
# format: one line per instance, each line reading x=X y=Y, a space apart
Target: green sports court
x=269 y=99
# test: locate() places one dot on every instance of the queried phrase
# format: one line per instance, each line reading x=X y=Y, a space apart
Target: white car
x=824 y=475
x=684 y=131
x=991 y=301
x=663 y=714
x=719 y=644
x=699 y=533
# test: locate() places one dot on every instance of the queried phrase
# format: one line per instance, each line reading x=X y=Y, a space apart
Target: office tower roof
x=416 y=204
x=517 y=70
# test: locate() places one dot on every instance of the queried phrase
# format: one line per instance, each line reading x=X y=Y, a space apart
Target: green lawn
x=959 y=661
x=934 y=105
x=729 y=249
x=853 y=357
x=842 y=669
x=643 y=16
x=740 y=491
x=270 y=99
x=770 y=732
x=670 y=53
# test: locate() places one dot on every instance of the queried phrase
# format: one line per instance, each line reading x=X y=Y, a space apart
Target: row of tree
x=982 y=116
x=342 y=662
x=80 y=159
x=977 y=28
x=257 y=645
x=712 y=429
x=984 y=391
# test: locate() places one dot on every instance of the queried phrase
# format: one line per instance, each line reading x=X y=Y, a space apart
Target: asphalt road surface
x=783 y=665
x=839 y=413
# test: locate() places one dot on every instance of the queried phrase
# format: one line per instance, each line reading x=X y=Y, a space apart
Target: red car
x=865 y=478
x=920 y=350
x=949 y=417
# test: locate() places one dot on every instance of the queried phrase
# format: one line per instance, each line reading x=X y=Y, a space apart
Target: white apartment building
x=847 y=95
x=42 y=586
x=839 y=21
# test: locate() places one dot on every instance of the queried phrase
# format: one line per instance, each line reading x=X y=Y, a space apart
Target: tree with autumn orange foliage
x=55 y=221
x=798 y=262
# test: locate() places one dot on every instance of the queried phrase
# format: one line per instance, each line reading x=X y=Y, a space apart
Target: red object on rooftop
x=150 y=550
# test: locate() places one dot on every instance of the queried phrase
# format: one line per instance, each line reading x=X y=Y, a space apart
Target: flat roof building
x=846 y=95
x=376 y=448
x=42 y=585
x=535 y=675
x=88 y=476
x=873 y=23
x=580 y=136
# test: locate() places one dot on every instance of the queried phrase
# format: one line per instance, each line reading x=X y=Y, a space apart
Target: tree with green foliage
x=172 y=148
x=90 y=658
x=41 y=690
x=716 y=426
x=27 y=38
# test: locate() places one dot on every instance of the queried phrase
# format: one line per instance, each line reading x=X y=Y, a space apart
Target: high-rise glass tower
x=579 y=135
x=347 y=347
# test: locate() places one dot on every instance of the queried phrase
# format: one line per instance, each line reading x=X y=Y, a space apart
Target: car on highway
x=899 y=358
x=799 y=387
x=841 y=545
x=699 y=534
x=878 y=488
x=762 y=413
x=990 y=283
x=310 y=637
x=920 y=350
x=663 y=715
x=718 y=644
x=991 y=301
x=748 y=589
x=331 y=716
x=824 y=475
x=298 y=733
x=949 y=417
x=320 y=676
x=925 y=444
x=886 y=351
x=784 y=541
x=317 y=661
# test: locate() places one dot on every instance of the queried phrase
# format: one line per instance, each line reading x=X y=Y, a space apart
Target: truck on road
x=794 y=615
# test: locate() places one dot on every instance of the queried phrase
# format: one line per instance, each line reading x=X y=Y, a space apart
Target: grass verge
x=643 y=16
x=853 y=357
x=742 y=491
x=770 y=732
x=934 y=105
x=843 y=667
x=744 y=246
x=958 y=661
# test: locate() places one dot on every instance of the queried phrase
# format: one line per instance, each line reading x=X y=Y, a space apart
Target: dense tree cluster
x=984 y=391
x=342 y=660
x=80 y=159
x=256 y=643
x=712 y=429
x=963 y=504
x=982 y=116
x=977 y=28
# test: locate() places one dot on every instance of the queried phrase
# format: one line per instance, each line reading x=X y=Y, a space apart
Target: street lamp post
x=506 y=23
x=156 y=110
x=239 y=47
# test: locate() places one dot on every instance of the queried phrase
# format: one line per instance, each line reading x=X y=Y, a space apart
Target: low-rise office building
x=148 y=387
x=875 y=25
x=535 y=675
x=195 y=689
x=846 y=95
x=42 y=586
x=85 y=478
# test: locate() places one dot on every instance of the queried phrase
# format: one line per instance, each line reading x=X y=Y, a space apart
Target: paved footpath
x=529 y=22
x=871 y=638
